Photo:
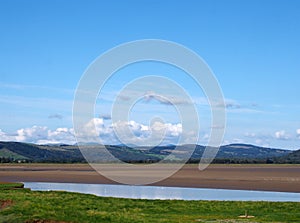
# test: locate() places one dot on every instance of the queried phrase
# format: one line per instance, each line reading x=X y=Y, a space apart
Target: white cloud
x=90 y=131
x=281 y=135
x=250 y=134
x=31 y=134
x=237 y=140
x=60 y=135
x=135 y=133
x=97 y=130
x=132 y=132
x=258 y=141
x=258 y=138
x=206 y=136
x=298 y=133
x=6 y=137
x=40 y=135
x=262 y=142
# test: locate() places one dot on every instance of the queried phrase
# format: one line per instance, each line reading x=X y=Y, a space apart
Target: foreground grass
x=32 y=206
x=7 y=186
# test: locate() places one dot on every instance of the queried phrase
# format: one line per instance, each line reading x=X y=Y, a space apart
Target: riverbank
x=284 y=178
x=23 y=205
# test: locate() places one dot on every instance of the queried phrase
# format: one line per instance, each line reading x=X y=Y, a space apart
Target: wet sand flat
x=284 y=178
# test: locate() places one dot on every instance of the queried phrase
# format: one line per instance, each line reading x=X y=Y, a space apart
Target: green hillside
x=234 y=153
x=291 y=158
x=4 y=152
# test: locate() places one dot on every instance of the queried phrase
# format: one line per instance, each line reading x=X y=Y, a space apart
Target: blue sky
x=253 y=48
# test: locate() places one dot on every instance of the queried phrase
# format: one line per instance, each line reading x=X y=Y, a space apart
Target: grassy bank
x=21 y=205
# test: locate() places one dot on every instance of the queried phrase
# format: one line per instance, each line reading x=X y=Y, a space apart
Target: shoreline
x=280 y=178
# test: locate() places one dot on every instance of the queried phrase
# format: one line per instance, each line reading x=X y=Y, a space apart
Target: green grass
x=30 y=206
x=9 y=186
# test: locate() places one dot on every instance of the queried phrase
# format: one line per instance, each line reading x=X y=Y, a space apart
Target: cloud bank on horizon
x=105 y=134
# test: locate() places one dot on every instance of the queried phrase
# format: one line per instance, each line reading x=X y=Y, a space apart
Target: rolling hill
x=291 y=158
x=233 y=153
x=16 y=151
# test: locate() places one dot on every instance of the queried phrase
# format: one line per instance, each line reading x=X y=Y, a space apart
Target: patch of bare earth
x=5 y=203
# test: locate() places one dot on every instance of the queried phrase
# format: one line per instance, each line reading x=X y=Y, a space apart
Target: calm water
x=163 y=193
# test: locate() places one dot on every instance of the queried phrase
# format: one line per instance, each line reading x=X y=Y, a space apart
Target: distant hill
x=292 y=158
x=243 y=153
x=233 y=153
x=16 y=151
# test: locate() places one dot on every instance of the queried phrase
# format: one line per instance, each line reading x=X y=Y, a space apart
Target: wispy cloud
x=163 y=99
x=149 y=96
x=124 y=97
x=105 y=116
x=37 y=102
x=55 y=116
x=35 y=87
x=231 y=104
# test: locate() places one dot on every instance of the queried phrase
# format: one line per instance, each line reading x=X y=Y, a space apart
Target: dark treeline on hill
x=293 y=157
x=15 y=152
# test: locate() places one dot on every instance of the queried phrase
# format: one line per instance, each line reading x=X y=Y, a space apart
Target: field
x=23 y=205
x=269 y=177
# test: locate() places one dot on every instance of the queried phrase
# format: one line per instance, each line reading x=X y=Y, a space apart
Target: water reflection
x=163 y=193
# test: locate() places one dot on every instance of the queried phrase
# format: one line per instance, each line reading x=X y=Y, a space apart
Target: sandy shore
x=248 y=177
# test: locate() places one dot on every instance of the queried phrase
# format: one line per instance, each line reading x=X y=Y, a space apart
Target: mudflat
x=284 y=178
